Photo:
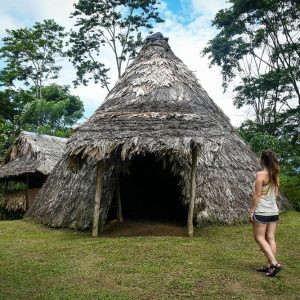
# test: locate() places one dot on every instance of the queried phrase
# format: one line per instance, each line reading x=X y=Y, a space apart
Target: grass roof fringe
x=32 y=153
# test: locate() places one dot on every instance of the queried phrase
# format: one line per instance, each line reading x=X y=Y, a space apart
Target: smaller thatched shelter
x=30 y=160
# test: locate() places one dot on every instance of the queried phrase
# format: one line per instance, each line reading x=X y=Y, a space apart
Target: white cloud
x=188 y=34
x=209 y=8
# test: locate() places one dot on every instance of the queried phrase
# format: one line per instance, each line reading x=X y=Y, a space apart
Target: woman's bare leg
x=259 y=231
x=270 y=236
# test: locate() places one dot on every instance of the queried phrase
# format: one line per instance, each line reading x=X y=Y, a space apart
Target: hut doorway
x=151 y=192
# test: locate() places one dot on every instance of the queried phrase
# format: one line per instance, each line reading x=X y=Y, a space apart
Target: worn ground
x=37 y=262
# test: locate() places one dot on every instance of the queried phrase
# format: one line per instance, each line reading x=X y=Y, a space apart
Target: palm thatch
x=157 y=109
x=15 y=201
x=32 y=153
x=19 y=201
x=31 y=159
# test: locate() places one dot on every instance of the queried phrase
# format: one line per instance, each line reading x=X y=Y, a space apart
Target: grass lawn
x=37 y=262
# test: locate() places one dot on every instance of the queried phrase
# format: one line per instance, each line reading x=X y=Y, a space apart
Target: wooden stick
x=26 y=192
x=119 y=204
x=100 y=168
x=192 y=192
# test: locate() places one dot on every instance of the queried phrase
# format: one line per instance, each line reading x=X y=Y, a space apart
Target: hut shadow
x=135 y=228
x=151 y=201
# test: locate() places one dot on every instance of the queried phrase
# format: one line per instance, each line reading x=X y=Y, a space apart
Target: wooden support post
x=192 y=192
x=119 y=204
x=26 y=192
x=99 y=175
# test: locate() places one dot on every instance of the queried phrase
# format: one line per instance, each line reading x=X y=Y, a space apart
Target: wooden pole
x=99 y=175
x=26 y=192
x=192 y=192
x=119 y=204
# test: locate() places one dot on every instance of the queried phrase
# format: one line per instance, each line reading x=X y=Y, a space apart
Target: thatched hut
x=158 y=147
x=30 y=160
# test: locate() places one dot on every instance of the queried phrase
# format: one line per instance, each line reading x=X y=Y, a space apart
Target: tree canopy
x=54 y=113
x=30 y=55
x=257 y=47
x=116 y=25
x=259 y=42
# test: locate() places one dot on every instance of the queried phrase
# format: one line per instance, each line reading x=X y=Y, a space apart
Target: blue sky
x=187 y=24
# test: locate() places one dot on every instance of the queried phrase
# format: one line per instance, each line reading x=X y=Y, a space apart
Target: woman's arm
x=257 y=193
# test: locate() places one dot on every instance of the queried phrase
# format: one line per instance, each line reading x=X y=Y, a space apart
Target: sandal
x=263 y=269
x=274 y=269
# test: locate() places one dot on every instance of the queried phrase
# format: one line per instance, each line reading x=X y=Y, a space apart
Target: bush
x=290 y=187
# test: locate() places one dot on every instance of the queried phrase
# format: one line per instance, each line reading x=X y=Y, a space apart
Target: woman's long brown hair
x=271 y=163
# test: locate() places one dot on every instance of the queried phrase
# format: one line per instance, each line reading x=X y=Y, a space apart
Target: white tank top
x=267 y=205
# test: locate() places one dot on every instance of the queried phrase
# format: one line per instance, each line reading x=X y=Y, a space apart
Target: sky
x=187 y=25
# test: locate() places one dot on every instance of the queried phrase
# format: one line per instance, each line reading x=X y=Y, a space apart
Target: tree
x=116 y=24
x=260 y=42
x=12 y=102
x=30 y=55
x=260 y=137
x=54 y=114
x=7 y=135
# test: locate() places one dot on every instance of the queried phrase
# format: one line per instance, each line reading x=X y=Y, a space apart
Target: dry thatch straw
x=157 y=109
x=19 y=201
x=15 y=201
x=32 y=153
x=31 y=159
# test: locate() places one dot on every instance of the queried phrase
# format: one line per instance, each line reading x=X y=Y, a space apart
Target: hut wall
x=15 y=201
x=20 y=200
x=31 y=195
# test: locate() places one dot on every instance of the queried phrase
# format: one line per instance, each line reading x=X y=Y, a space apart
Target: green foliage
x=290 y=186
x=283 y=142
x=114 y=24
x=7 y=135
x=30 y=54
x=12 y=102
x=54 y=113
x=286 y=146
x=259 y=42
x=30 y=58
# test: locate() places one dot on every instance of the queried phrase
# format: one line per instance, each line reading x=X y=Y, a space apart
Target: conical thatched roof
x=32 y=153
x=157 y=107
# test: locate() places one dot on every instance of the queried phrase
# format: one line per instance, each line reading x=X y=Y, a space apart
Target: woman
x=264 y=211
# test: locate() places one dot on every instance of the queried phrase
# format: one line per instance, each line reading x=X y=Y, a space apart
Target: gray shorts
x=265 y=219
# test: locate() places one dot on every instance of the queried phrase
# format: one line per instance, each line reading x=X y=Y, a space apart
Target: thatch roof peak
x=157 y=105
x=157 y=80
x=31 y=153
x=157 y=36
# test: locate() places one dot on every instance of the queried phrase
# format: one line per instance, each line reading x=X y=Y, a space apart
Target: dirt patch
x=143 y=228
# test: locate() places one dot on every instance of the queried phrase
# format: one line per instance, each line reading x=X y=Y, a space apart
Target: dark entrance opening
x=151 y=192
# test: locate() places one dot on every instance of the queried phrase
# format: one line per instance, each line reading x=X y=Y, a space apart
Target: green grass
x=37 y=262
